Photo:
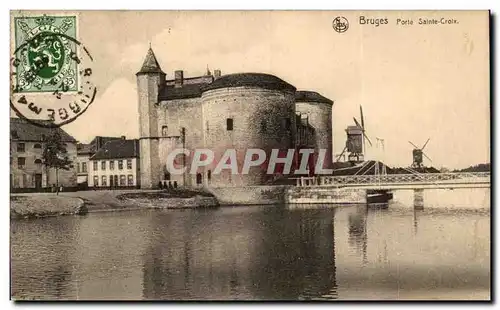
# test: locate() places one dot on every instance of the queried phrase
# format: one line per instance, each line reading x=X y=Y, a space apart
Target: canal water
x=440 y=251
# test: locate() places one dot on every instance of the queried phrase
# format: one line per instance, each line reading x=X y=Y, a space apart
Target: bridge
x=450 y=180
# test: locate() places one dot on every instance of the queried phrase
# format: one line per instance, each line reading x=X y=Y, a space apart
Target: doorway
x=38 y=180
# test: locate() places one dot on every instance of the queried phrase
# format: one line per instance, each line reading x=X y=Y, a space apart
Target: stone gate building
x=220 y=112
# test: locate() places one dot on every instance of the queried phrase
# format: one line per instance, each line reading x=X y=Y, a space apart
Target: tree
x=55 y=154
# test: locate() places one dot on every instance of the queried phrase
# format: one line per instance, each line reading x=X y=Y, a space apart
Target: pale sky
x=414 y=82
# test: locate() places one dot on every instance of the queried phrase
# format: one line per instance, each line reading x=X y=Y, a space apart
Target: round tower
x=149 y=81
x=317 y=110
x=247 y=111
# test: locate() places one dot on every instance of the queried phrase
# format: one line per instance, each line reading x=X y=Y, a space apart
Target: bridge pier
x=418 y=199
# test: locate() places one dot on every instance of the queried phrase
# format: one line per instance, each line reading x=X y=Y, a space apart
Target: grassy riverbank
x=34 y=206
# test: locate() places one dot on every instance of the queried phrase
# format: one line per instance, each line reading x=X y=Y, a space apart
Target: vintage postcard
x=250 y=155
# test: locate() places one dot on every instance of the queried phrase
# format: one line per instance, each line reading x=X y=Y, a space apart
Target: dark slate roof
x=118 y=149
x=22 y=130
x=92 y=147
x=186 y=91
x=261 y=80
x=311 y=96
x=83 y=148
x=150 y=64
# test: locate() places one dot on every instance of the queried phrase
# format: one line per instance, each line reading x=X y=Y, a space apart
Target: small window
x=96 y=180
x=103 y=165
x=129 y=163
x=37 y=146
x=229 y=124
x=13 y=134
x=84 y=167
x=95 y=165
x=120 y=164
x=199 y=178
x=104 y=181
x=21 y=147
x=38 y=161
x=130 y=180
x=122 y=180
x=164 y=130
x=166 y=175
x=77 y=167
x=21 y=162
x=111 y=165
x=288 y=123
x=209 y=175
x=208 y=129
x=263 y=125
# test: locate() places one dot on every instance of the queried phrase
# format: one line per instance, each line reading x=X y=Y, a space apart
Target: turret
x=150 y=80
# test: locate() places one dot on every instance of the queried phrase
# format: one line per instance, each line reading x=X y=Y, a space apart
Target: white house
x=115 y=164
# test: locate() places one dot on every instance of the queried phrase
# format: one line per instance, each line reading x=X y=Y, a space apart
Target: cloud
x=114 y=113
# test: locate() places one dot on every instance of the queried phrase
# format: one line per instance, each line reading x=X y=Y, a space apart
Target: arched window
x=38 y=161
x=199 y=178
x=164 y=130
x=37 y=146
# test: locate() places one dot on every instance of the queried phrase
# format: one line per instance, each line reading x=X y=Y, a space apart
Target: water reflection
x=52 y=276
x=272 y=254
x=262 y=253
x=358 y=237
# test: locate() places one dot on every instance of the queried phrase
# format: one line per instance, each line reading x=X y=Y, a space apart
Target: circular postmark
x=340 y=24
x=51 y=74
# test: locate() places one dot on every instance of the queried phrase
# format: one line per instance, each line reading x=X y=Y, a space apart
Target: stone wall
x=263 y=119
x=325 y=195
x=147 y=89
x=174 y=115
x=320 y=117
x=249 y=195
x=175 y=203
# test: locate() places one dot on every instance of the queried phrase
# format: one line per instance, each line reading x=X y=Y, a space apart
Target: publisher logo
x=340 y=24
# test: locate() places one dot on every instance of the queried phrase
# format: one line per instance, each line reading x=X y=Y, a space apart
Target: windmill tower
x=418 y=155
x=355 y=143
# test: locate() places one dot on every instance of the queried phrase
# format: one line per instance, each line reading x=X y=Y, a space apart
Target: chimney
x=123 y=137
x=217 y=74
x=179 y=78
x=98 y=143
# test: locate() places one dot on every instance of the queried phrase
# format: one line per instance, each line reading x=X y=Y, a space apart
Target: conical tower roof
x=150 y=64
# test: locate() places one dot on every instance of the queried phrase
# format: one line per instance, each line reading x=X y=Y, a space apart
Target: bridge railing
x=459 y=177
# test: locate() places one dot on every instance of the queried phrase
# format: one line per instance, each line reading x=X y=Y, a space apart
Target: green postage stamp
x=51 y=70
x=45 y=53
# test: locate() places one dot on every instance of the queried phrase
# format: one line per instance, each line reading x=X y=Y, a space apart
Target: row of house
x=108 y=162
x=105 y=162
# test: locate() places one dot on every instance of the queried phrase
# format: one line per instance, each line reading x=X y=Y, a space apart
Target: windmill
x=418 y=155
x=356 y=136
